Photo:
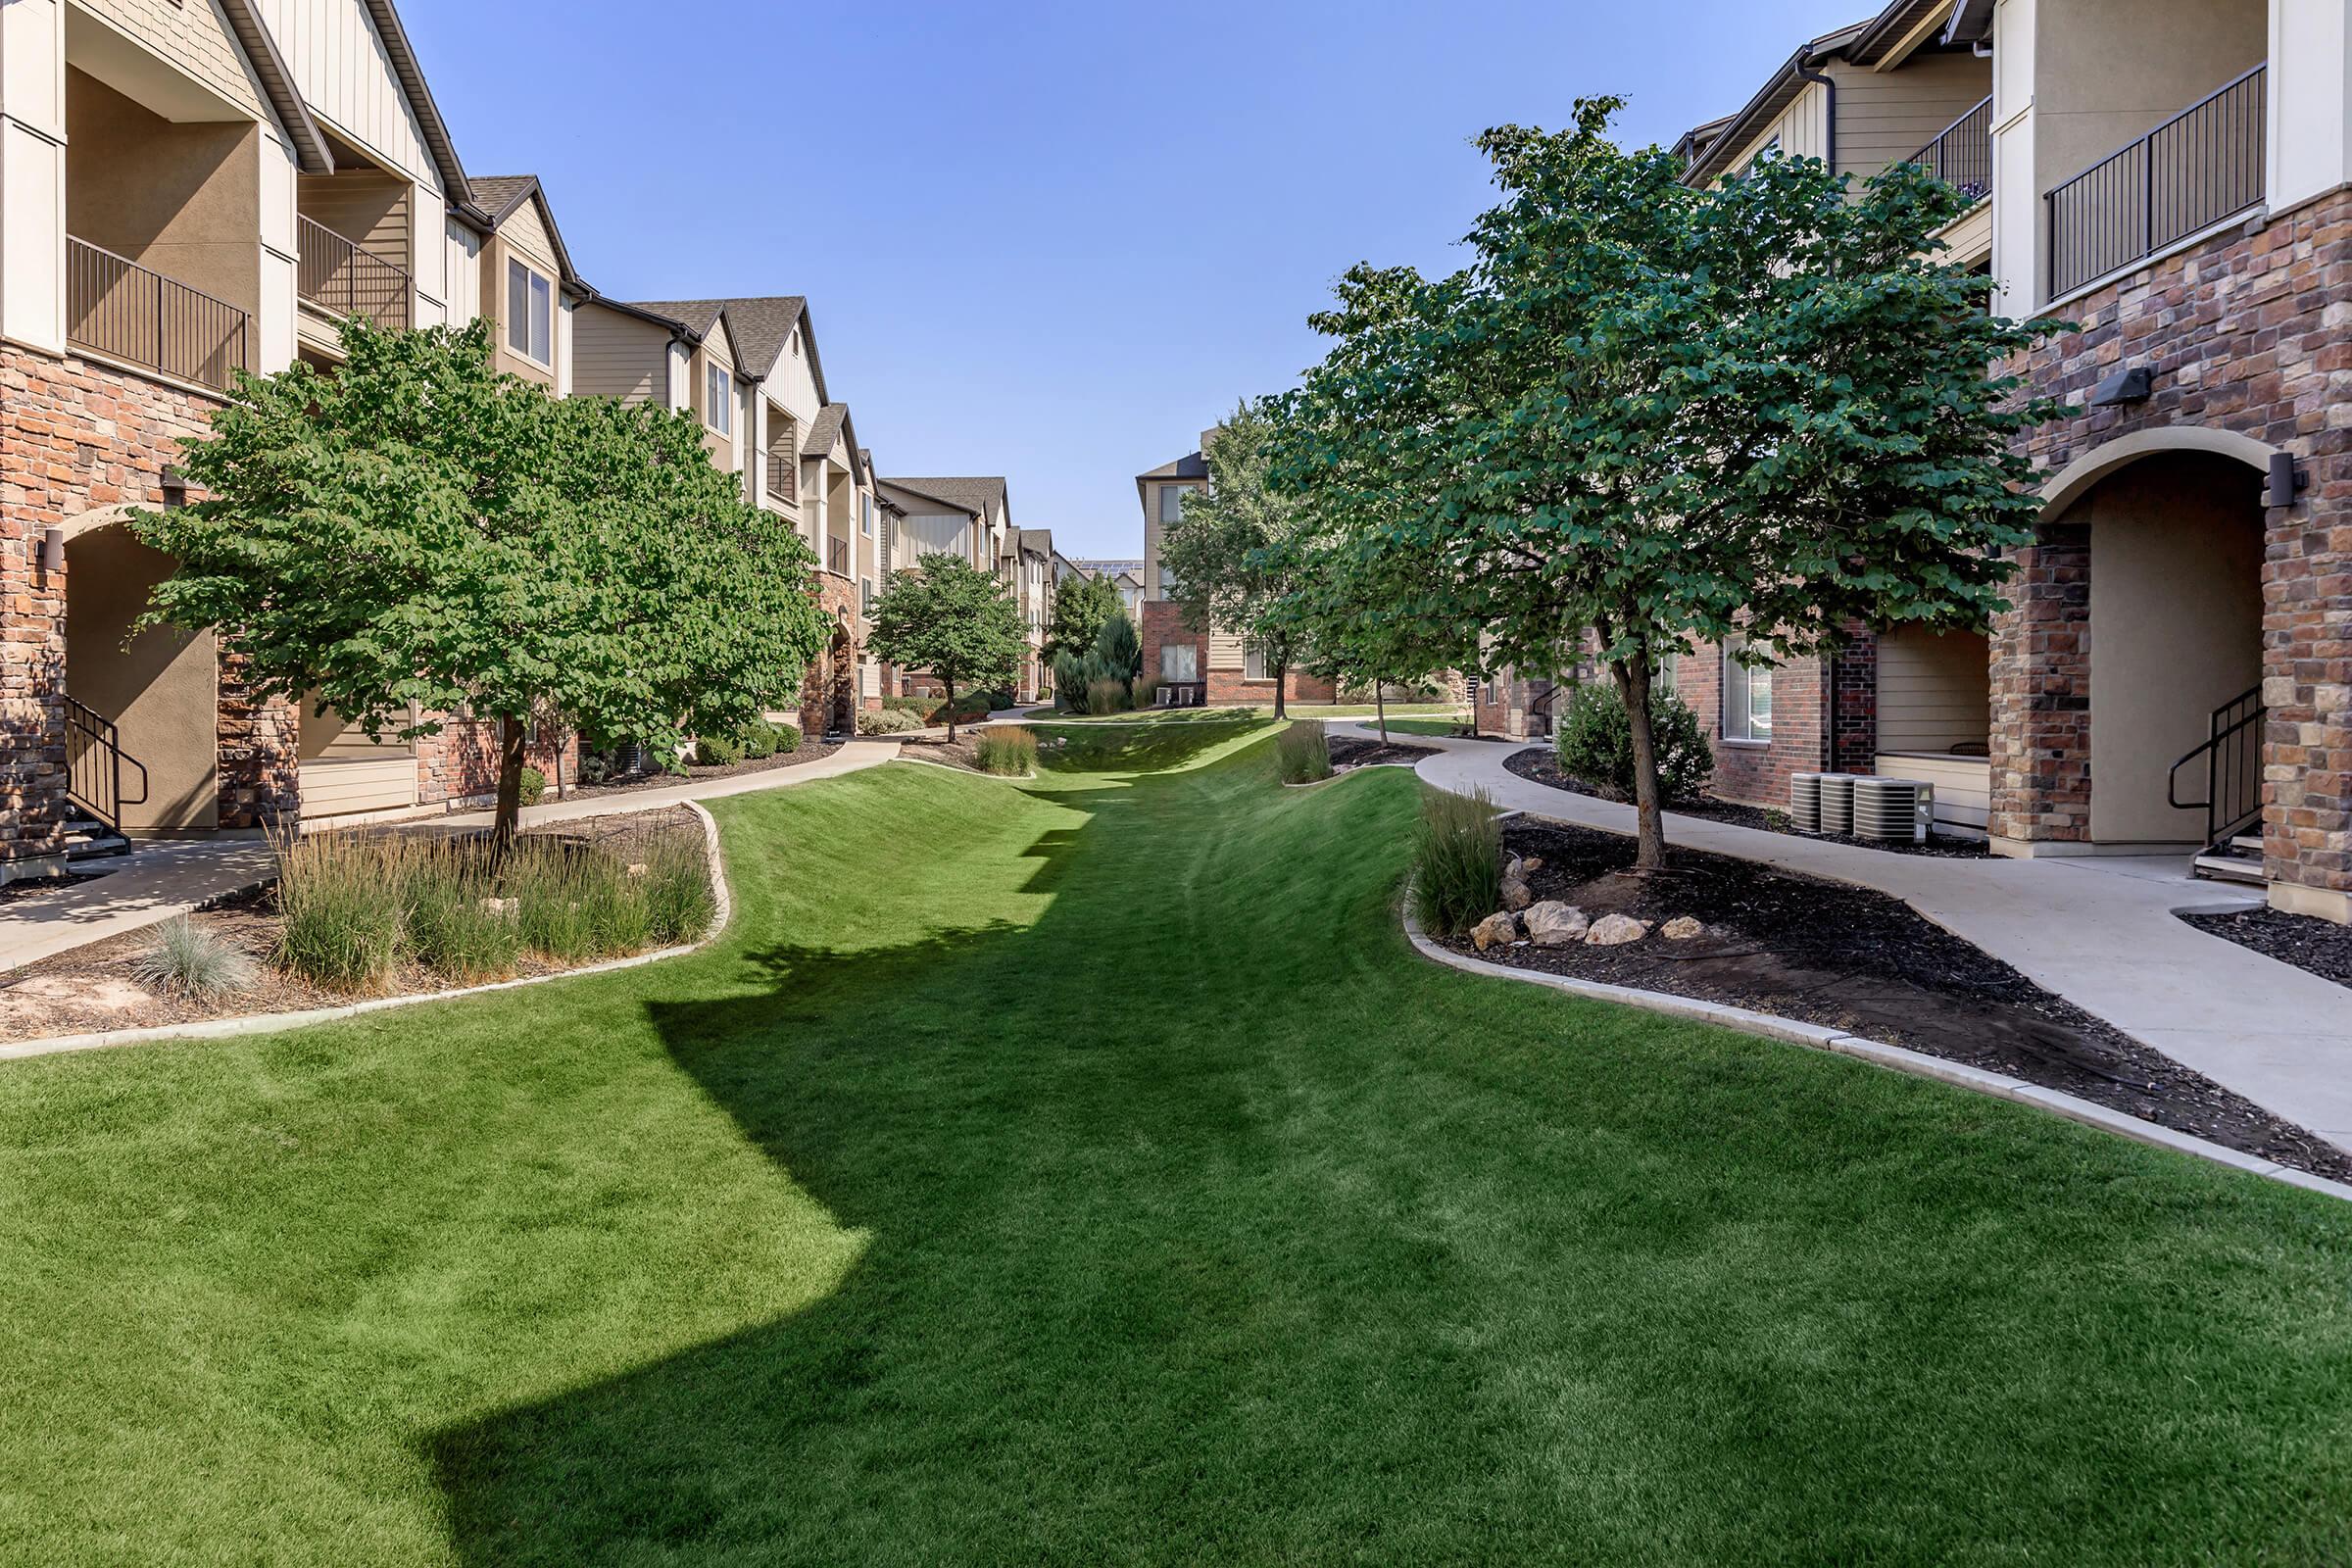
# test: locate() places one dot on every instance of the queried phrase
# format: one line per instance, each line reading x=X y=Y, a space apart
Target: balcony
x=2198 y=168
x=783 y=478
x=345 y=279
x=837 y=557
x=1961 y=154
x=118 y=308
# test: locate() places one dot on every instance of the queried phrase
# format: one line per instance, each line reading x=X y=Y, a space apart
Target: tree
x=417 y=535
x=947 y=615
x=1337 y=609
x=1231 y=552
x=1081 y=605
x=1119 y=650
x=1671 y=416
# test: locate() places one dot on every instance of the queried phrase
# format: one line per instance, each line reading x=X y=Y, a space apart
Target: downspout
x=1829 y=85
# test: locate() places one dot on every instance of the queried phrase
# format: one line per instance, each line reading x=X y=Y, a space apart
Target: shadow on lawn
x=1004 y=1128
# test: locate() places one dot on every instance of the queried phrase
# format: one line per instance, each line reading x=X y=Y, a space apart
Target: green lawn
x=1087 y=1171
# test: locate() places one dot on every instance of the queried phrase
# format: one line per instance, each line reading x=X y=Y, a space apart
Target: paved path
x=2099 y=931
x=153 y=884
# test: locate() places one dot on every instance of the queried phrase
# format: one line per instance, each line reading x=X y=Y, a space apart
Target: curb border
x=1897 y=1059
x=269 y=1023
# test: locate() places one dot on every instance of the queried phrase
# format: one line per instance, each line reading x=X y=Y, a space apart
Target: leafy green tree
x=417 y=535
x=1120 y=649
x=1081 y=605
x=947 y=615
x=1671 y=415
x=1231 y=553
x=1338 y=606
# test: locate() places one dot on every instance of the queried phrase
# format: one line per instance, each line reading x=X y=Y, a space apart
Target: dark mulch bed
x=810 y=751
x=32 y=887
x=1829 y=953
x=1347 y=751
x=2303 y=940
x=1540 y=765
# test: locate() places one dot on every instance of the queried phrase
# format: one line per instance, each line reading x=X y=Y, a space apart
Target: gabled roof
x=1039 y=541
x=975 y=495
x=1192 y=466
x=698 y=317
x=1736 y=131
x=760 y=326
x=501 y=196
x=824 y=430
x=310 y=152
x=913 y=488
x=644 y=313
x=454 y=183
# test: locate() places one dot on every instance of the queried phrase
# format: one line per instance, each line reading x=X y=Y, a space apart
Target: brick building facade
x=1227 y=680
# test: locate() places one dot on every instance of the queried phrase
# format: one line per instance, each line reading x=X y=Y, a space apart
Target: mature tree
x=417 y=535
x=1081 y=605
x=1231 y=553
x=947 y=615
x=1339 y=609
x=1671 y=416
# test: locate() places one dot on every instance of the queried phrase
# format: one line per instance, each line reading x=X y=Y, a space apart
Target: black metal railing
x=347 y=280
x=94 y=764
x=115 y=307
x=783 y=476
x=837 y=557
x=2198 y=168
x=1961 y=154
x=2231 y=754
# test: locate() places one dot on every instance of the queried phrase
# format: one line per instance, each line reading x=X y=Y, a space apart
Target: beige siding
x=528 y=234
x=1884 y=119
x=193 y=37
x=1803 y=129
x=347 y=78
x=616 y=355
x=367 y=207
x=339 y=786
x=1934 y=691
x=1963 y=788
x=1970 y=240
x=1225 y=651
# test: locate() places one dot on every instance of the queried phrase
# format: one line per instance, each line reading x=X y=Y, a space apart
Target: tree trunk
x=512 y=734
x=1282 y=664
x=1632 y=685
x=1380 y=706
x=950 y=686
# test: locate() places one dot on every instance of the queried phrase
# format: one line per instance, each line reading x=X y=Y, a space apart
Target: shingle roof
x=913 y=487
x=761 y=325
x=1192 y=466
x=698 y=316
x=972 y=495
x=501 y=196
x=824 y=429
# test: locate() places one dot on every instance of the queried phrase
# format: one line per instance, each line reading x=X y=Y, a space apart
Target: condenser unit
x=1892 y=809
x=1837 y=803
x=1804 y=801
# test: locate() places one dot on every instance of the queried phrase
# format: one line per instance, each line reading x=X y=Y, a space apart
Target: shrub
x=758 y=742
x=1120 y=649
x=187 y=961
x=787 y=736
x=887 y=722
x=339 y=897
x=1457 y=861
x=1304 y=752
x=534 y=786
x=1147 y=691
x=717 y=750
x=1006 y=749
x=1107 y=695
x=1069 y=682
x=1595 y=744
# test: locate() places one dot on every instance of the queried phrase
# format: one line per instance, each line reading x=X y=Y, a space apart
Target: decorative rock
x=1553 y=924
x=1499 y=929
x=1534 y=862
x=1514 y=869
x=1515 y=894
x=1616 y=930
x=1682 y=928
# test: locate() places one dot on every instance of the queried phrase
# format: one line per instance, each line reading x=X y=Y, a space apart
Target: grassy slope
x=1088 y=1171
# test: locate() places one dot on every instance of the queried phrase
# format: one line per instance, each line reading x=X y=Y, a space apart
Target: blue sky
x=1053 y=241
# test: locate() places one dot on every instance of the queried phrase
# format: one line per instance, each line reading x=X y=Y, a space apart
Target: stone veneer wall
x=2250 y=332
x=459 y=765
x=830 y=687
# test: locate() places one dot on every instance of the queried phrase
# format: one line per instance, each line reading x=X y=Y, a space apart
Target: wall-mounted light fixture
x=53 y=550
x=175 y=488
x=2132 y=384
x=2286 y=480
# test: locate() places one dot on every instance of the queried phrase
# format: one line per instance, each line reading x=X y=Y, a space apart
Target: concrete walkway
x=2099 y=931
x=153 y=884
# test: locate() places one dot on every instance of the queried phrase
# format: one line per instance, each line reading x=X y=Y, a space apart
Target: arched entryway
x=159 y=688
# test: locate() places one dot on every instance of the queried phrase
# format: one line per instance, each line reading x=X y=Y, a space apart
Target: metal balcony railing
x=347 y=280
x=783 y=476
x=1961 y=154
x=115 y=307
x=837 y=557
x=2198 y=168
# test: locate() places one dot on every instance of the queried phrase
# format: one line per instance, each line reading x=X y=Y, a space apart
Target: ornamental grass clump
x=1107 y=695
x=1304 y=752
x=1009 y=750
x=573 y=903
x=680 y=902
x=340 y=901
x=456 y=923
x=1457 y=861
x=187 y=961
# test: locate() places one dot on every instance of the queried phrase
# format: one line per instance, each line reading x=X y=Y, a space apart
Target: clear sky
x=1051 y=241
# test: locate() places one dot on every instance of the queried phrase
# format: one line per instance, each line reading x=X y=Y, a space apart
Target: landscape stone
x=1499 y=929
x=1616 y=930
x=1553 y=924
x=1515 y=894
x=1682 y=928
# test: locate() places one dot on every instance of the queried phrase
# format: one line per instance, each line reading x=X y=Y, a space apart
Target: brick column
x=2040 y=680
x=258 y=752
x=1854 y=695
x=2307 y=681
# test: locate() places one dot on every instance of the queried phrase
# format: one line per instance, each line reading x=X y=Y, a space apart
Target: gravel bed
x=2306 y=941
x=1831 y=954
x=1539 y=764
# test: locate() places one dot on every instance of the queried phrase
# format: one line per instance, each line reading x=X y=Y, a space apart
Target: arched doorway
x=160 y=688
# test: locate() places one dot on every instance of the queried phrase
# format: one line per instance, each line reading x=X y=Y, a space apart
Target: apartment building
x=1031 y=555
x=2175 y=672
x=1212 y=666
x=970 y=518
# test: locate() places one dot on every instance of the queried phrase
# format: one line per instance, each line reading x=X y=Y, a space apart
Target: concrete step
x=87 y=840
x=2231 y=868
x=2248 y=842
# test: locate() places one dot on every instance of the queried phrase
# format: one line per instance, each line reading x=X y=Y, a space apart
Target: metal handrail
x=347 y=278
x=2194 y=170
x=2232 y=755
x=94 y=763
x=1961 y=153
x=783 y=476
x=837 y=557
x=114 y=306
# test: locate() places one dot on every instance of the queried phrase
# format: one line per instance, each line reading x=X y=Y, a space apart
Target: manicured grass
x=1087 y=1171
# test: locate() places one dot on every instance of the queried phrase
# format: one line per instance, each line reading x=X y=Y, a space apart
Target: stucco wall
x=158 y=687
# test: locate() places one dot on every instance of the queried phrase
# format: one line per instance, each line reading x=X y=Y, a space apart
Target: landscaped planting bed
x=1347 y=751
x=1539 y=764
x=574 y=894
x=695 y=772
x=1831 y=954
x=2306 y=941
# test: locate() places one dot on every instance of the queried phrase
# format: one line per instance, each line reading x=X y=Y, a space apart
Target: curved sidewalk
x=2098 y=930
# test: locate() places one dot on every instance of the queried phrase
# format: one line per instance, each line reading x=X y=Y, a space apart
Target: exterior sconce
x=53 y=550
x=2286 y=480
x=175 y=488
x=2133 y=385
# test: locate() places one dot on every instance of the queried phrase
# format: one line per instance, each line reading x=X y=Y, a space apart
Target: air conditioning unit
x=1804 y=801
x=1837 y=803
x=1892 y=809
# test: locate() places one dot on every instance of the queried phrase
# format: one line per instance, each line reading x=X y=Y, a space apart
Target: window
x=865 y=514
x=530 y=314
x=1253 y=663
x=866 y=594
x=1180 y=662
x=719 y=412
x=1171 y=502
x=1746 y=697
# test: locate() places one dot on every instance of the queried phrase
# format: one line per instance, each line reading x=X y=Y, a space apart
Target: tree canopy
x=417 y=536
x=947 y=615
x=1081 y=605
x=1670 y=415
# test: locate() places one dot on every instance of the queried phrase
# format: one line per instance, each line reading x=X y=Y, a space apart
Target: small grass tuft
x=187 y=961
x=1304 y=752
x=1457 y=860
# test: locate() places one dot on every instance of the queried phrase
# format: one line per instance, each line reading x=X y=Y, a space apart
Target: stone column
x=2040 y=688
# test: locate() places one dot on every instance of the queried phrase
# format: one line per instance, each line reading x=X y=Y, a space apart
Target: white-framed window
x=865 y=514
x=1253 y=663
x=718 y=401
x=530 y=314
x=1746 y=697
x=1180 y=662
x=866 y=594
x=1171 y=502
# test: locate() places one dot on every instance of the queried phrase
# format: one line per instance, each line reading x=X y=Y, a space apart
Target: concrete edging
x=264 y=1023
x=1821 y=1037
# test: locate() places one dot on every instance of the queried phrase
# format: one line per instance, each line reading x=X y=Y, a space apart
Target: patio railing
x=1961 y=154
x=2198 y=168
x=347 y=280
x=114 y=306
